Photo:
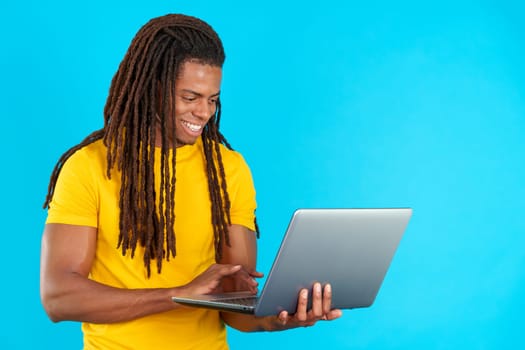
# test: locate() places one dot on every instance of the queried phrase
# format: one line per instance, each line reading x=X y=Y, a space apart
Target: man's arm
x=243 y=251
x=68 y=294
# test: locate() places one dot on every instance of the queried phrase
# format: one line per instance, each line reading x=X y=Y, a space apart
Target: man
x=156 y=204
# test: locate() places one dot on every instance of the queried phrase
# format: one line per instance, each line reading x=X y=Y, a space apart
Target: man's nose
x=204 y=109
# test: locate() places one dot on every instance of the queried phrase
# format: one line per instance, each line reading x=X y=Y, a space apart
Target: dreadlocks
x=133 y=111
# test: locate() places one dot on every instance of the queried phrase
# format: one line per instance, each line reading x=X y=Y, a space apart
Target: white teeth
x=193 y=127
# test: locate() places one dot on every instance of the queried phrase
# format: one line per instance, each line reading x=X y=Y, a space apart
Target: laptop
x=349 y=248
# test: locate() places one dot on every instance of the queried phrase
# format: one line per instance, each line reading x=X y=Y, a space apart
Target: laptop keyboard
x=248 y=301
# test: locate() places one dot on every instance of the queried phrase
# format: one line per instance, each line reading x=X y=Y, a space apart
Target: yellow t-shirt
x=85 y=196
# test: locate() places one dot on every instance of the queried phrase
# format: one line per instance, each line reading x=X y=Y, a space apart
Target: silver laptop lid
x=349 y=248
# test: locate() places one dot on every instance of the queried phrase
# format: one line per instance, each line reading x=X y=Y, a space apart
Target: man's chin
x=186 y=142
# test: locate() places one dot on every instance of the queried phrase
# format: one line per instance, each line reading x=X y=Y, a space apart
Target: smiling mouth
x=192 y=127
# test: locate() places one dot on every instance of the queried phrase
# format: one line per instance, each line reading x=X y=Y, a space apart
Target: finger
x=256 y=274
x=283 y=317
x=333 y=314
x=252 y=275
x=302 y=304
x=244 y=281
x=327 y=299
x=254 y=288
x=248 y=278
x=247 y=283
x=226 y=269
x=317 y=300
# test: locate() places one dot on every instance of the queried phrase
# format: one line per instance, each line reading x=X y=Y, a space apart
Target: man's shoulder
x=93 y=153
x=230 y=156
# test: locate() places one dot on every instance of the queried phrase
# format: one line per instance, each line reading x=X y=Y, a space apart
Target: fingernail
x=317 y=288
x=304 y=293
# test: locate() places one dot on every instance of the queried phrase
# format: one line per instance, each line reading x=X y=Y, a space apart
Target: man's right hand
x=210 y=280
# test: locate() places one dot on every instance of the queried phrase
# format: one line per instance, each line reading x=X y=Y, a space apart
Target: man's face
x=197 y=90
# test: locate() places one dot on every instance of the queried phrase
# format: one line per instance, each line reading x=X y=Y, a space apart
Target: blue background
x=332 y=103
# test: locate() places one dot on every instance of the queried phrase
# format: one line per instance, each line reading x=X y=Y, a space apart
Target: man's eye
x=188 y=98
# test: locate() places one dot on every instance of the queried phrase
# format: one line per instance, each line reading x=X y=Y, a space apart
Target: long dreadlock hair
x=131 y=117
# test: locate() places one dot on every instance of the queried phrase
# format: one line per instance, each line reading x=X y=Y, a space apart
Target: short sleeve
x=242 y=194
x=75 y=200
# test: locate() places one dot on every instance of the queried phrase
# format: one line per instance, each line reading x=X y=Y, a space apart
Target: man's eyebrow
x=198 y=93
